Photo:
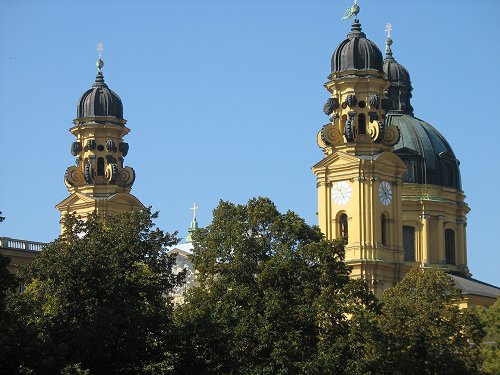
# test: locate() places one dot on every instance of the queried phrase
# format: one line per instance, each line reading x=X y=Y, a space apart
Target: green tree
x=95 y=301
x=424 y=331
x=490 y=347
x=274 y=298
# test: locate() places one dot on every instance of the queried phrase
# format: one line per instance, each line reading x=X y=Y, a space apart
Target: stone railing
x=16 y=244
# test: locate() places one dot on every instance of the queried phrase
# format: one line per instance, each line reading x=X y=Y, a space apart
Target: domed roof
x=399 y=93
x=356 y=52
x=428 y=156
x=99 y=100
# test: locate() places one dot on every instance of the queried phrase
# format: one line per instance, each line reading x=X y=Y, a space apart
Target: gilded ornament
x=112 y=173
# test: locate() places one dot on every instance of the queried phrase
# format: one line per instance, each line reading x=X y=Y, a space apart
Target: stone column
x=426 y=237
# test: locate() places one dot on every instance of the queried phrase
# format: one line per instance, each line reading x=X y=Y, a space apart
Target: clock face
x=385 y=193
x=341 y=192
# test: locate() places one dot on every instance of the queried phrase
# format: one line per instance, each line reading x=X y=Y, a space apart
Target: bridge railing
x=16 y=244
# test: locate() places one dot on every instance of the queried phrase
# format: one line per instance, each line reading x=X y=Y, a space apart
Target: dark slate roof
x=100 y=101
x=356 y=52
x=475 y=287
x=428 y=156
x=399 y=93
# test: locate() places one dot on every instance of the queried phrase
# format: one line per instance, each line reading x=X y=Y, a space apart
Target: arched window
x=383 y=229
x=449 y=246
x=343 y=226
x=409 y=243
x=362 y=124
x=100 y=166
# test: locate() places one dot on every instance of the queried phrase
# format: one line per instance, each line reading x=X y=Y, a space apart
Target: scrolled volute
x=73 y=176
x=126 y=177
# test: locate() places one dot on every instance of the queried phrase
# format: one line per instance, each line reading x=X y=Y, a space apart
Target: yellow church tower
x=359 y=181
x=389 y=183
x=99 y=181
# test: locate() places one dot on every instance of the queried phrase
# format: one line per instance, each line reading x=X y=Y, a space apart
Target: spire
x=99 y=79
x=388 y=41
x=194 y=224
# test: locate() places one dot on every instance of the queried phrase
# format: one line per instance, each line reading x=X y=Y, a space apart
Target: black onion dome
x=428 y=156
x=357 y=52
x=100 y=101
x=399 y=93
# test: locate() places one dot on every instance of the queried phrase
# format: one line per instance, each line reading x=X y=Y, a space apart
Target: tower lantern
x=99 y=181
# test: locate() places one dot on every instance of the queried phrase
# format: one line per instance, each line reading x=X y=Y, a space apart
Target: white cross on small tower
x=194 y=208
x=388 y=29
x=100 y=48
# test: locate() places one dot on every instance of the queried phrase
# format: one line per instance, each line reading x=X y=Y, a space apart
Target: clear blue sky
x=224 y=99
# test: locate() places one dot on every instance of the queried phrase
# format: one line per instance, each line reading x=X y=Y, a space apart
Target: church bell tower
x=359 y=180
x=99 y=181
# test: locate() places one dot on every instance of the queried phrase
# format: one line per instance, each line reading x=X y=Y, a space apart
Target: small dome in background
x=399 y=93
x=100 y=100
x=357 y=52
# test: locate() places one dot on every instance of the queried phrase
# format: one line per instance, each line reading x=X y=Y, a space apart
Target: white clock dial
x=341 y=192
x=385 y=193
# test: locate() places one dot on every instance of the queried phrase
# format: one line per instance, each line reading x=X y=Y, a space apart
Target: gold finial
x=194 y=208
x=100 y=63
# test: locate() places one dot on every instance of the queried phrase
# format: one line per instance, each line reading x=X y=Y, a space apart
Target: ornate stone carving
x=123 y=148
x=110 y=145
x=91 y=160
x=373 y=116
x=112 y=173
x=110 y=159
x=374 y=101
x=76 y=147
x=348 y=131
x=331 y=105
x=89 y=173
x=376 y=131
x=73 y=176
x=91 y=145
x=391 y=135
x=351 y=101
x=331 y=135
x=126 y=177
x=77 y=161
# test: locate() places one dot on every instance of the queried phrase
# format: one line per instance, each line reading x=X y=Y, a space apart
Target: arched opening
x=100 y=166
x=343 y=226
x=409 y=243
x=383 y=229
x=362 y=124
x=449 y=246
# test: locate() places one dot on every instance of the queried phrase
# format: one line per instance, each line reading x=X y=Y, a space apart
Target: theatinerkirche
x=389 y=183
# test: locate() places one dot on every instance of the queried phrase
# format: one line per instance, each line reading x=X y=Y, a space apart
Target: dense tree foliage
x=423 y=329
x=490 y=347
x=274 y=298
x=95 y=301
